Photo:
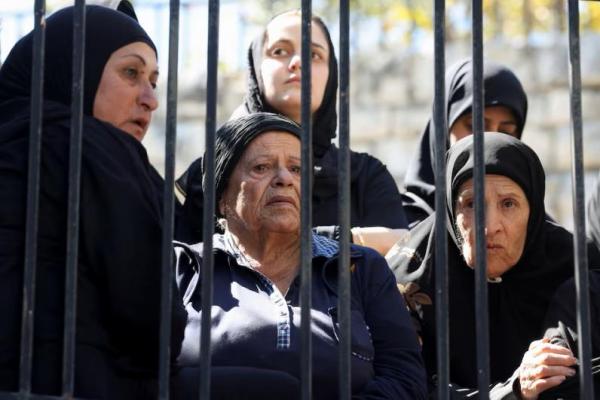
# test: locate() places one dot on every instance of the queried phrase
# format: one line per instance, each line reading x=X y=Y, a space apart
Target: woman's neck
x=275 y=255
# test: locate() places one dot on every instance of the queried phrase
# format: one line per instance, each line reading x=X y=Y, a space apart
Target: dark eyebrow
x=289 y=42
x=142 y=59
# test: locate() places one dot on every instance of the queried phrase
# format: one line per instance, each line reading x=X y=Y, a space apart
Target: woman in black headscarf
x=274 y=86
x=255 y=324
x=528 y=257
x=120 y=214
x=505 y=111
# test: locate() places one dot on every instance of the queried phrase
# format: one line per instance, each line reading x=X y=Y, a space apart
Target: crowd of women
x=255 y=314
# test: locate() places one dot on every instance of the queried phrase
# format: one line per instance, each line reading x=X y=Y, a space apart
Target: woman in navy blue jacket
x=255 y=328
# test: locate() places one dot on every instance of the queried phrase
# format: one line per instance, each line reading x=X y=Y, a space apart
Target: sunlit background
x=391 y=70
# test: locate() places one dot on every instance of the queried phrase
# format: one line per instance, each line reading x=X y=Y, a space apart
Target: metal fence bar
x=344 y=288
x=441 y=237
x=209 y=197
x=169 y=204
x=481 y=293
x=33 y=187
x=306 y=207
x=75 y=148
x=581 y=260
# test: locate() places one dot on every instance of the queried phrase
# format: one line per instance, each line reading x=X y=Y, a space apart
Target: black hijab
x=100 y=43
x=517 y=304
x=233 y=138
x=502 y=88
x=324 y=119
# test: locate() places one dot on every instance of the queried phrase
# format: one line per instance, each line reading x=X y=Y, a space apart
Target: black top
x=502 y=88
x=119 y=268
x=561 y=328
x=518 y=302
x=375 y=199
x=256 y=327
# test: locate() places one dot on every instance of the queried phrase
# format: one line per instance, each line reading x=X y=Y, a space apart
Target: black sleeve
x=398 y=366
x=120 y=241
x=379 y=200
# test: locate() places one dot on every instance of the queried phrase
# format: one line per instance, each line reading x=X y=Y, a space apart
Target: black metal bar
x=481 y=293
x=581 y=260
x=344 y=289
x=306 y=207
x=68 y=377
x=209 y=197
x=33 y=189
x=169 y=204
x=441 y=237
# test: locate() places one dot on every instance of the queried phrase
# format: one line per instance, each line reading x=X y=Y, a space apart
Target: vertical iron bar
x=209 y=197
x=481 y=293
x=169 y=204
x=75 y=147
x=581 y=260
x=441 y=237
x=33 y=183
x=306 y=209
x=344 y=287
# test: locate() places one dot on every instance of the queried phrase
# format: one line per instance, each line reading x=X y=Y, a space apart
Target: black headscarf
x=501 y=88
x=233 y=138
x=100 y=43
x=593 y=216
x=324 y=119
x=517 y=304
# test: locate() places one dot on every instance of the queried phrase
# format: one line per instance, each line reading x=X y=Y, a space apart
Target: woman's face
x=125 y=96
x=263 y=193
x=281 y=65
x=506 y=214
x=496 y=119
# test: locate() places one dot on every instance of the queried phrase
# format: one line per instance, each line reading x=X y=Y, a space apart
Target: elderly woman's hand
x=544 y=366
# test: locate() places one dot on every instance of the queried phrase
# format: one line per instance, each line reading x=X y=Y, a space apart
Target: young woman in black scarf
x=505 y=111
x=274 y=85
x=528 y=257
x=119 y=270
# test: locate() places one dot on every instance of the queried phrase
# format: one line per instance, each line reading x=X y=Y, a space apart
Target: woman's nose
x=283 y=177
x=295 y=62
x=492 y=221
x=148 y=98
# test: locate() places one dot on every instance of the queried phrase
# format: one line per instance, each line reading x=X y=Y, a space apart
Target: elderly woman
x=528 y=257
x=256 y=306
x=505 y=111
x=120 y=215
x=274 y=76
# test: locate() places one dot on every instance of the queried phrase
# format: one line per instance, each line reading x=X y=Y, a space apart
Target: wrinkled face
x=496 y=119
x=506 y=213
x=125 y=96
x=263 y=192
x=281 y=65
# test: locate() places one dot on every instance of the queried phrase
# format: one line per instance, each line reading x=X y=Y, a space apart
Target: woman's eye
x=153 y=84
x=131 y=72
x=509 y=203
x=316 y=56
x=296 y=169
x=261 y=168
x=279 y=52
